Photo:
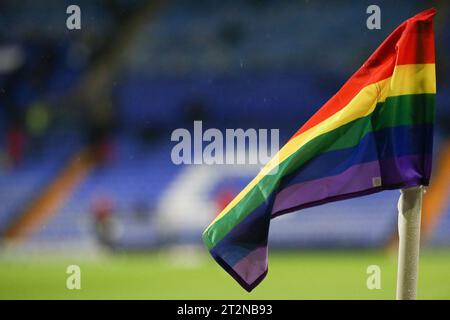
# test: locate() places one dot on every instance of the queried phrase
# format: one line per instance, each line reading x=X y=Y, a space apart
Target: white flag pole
x=409 y=212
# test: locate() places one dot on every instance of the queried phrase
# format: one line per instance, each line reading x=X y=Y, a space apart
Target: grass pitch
x=293 y=275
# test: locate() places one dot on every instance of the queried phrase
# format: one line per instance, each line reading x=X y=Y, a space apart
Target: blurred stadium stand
x=21 y=184
x=248 y=64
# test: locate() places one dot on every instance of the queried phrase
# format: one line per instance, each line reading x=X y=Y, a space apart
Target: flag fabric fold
x=374 y=134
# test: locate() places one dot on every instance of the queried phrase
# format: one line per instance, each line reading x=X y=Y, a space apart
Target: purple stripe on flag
x=359 y=179
x=356 y=178
x=252 y=266
x=407 y=169
x=249 y=286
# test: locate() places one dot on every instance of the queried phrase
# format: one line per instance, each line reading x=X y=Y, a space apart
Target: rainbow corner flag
x=375 y=134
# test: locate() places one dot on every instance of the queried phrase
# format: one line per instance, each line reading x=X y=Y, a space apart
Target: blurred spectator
x=15 y=143
x=37 y=122
x=103 y=211
x=99 y=127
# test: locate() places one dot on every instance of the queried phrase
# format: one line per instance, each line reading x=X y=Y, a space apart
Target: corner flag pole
x=409 y=212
